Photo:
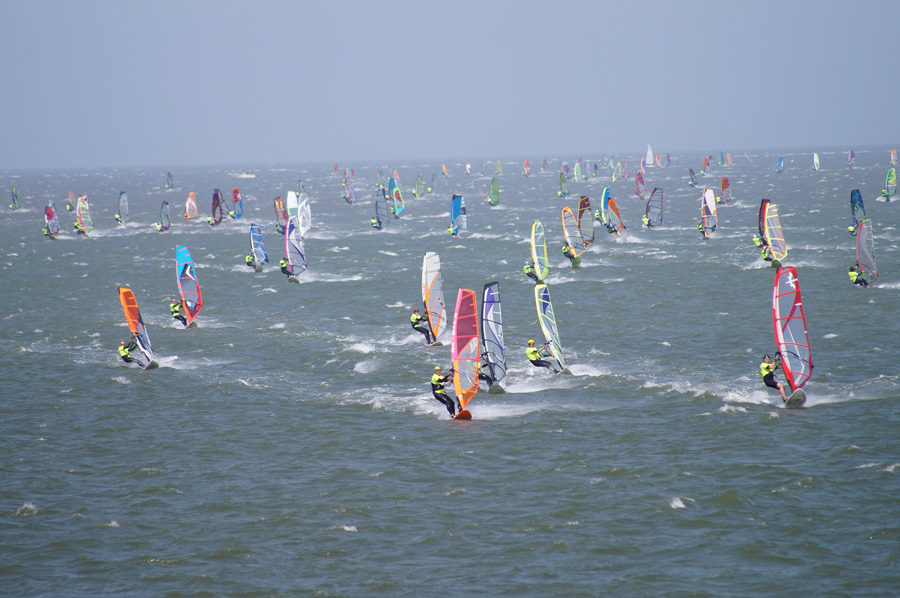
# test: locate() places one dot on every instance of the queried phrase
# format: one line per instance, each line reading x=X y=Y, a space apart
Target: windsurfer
x=856 y=276
x=376 y=223
x=852 y=230
x=118 y=218
x=125 y=351
x=78 y=229
x=767 y=371
x=159 y=227
x=175 y=308
x=529 y=271
x=567 y=251
x=250 y=260
x=415 y=320
x=210 y=221
x=283 y=264
x=702 y=230
x=645 y=220
x=437 y=389
x=534 y=355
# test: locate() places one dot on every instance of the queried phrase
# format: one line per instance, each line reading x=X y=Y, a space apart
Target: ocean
x=290 y=446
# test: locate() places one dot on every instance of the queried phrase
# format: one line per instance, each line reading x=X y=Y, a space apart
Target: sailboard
x=851 y=159
x=432 y=186
x=857 y=209
x=468 y=168
x=51 y=220
x=654 y=210
x=395 y=196
x=464 y=349
x=457 y=213
x=492 y=345
x=705 y=166
x=865 y=250
x=708 y=213
x=381 y=210
x=571 y=232
x=499 y=168
x=83 y=214
x=815 y=161
x=123 y=210
x=890 y=184
x=294 y=251
x=137 y=328
x=419 y=189
x=789 y=323
x=771 y=230
x=165 y=220
x=190 y=207
x=612 y=213
x=444 y=168
x=563 y=185
x=548 y=326
x=894 y=157
x=539 y=250
x=188 y=285
x=585 y=221
x=726 y=191
x=70 y=202
x=693 y=181
x=648 y=158
x=780 y=168
x=237 y=204
x=526 y=168
x=349 y=192
x=170 y=182
x=494 y=196
x=257 y=248
x=14 y=198
x=292 y=204
x=217 y=211
x=433 y=296
x=281 y=217
x=640 y=187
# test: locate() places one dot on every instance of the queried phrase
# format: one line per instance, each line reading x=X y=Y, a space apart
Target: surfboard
x=152 y=365
x=293 y=279
x=191 y=325
x=258 y=268
x=796 y=400
x=435 y=344
x=496 y=390
x=463 y=415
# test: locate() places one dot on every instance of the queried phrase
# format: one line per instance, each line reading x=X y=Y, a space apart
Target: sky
x=112 y=83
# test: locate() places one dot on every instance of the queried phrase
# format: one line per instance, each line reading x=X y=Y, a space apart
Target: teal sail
x=857 y=210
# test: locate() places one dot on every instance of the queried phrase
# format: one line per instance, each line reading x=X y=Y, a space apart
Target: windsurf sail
x=789 y=322
x=444 y=168
x=457 y=213
x=433 y=294
x=292 y=204
x=539 y=250
x=432 y=186
x=726 y=190
x=190 y=207
x=708 y=212
x=654 y=208
x=281 y=217
x=585 y=220
x=170 y=182
x=304 y=214
x=780 y=167
x=851 y=159
x=893 y=157
x=70 y=202
x=548 y=326
x=165 y=220
x=136 y=324
x=294 y=249
x=494 y=196
x=217 y=211
x=705 y=166
x=396 y=197
x=563 y=185
x=51 y=218
x=123 y=210
x=188 y=283
x=693 y=181
x=648 y=158
x=890 y=183
x=579 y=175
x=612 y=213
x=419 y=189
x=349 y=192
x=237 y=204
x=771 y=229
x=468 y=168
x=464 y=347
x=572 y=232
x=857 y=209
x=640 y=187
x=381 y=209
x=499 y=168
x=815 y=161
x=492 y=345
x=83 y=214
x=256 y=245
x=721 y=158
x=865 y=250
x=14 y=196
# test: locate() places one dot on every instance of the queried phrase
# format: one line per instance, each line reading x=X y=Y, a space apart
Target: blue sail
x=256 y=245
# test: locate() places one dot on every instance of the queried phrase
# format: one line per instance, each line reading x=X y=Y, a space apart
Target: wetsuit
x=283 y=264
x=437 y=389
x=415 y=320
x=534 y=356
x=529 y=271
x=251 y=262
x=567 y=251
x=175 y=308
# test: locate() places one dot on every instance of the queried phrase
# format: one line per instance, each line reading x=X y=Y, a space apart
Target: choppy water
x=290 y=446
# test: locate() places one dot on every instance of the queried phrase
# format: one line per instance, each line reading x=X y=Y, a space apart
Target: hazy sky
x=169 y=83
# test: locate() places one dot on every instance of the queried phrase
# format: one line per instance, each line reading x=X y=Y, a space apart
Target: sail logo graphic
x=792 y=281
